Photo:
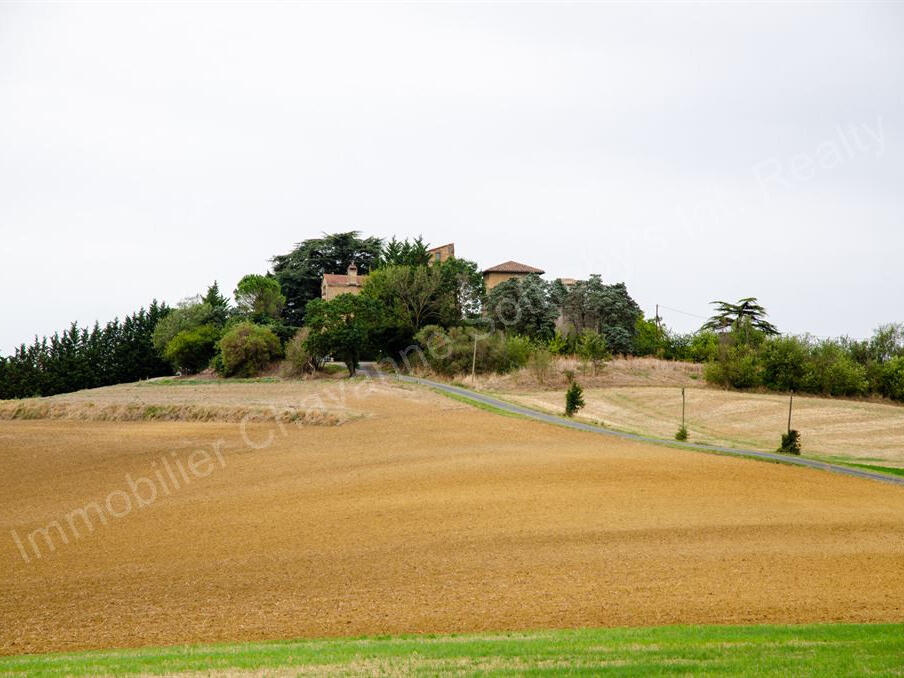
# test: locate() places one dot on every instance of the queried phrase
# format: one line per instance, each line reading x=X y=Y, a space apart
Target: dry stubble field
x=835 y=428
x=421 y=515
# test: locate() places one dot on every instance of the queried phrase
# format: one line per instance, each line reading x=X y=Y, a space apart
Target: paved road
x=580 y=426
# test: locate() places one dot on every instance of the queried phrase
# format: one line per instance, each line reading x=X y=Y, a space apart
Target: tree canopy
x=219 y=305
x=463 y=289
x=300 y=272
x=523 y=306
x=445 y=294
x=411 y=293
x=78 y=358
x=606 y=309
x=404 y=253
x=188 y=314
x=343 y=327
x=259 y=298
x=747 y=313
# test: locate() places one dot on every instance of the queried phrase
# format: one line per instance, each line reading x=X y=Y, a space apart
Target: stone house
x=334 y=284
x=441 y=253
x=506 y=271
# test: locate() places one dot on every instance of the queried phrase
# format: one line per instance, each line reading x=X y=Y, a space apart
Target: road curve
x=590 y=428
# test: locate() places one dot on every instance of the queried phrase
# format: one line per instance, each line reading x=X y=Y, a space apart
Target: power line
x=675 y=310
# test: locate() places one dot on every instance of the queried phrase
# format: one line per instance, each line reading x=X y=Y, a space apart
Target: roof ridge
x=512 y=266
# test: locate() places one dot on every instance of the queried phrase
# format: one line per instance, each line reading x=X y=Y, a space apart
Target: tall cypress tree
x=76 y=358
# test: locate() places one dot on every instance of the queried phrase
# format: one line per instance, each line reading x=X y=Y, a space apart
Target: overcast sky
x=695 y=152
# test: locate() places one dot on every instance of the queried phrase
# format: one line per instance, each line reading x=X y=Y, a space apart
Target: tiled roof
x=342 y=279
x=513 y=267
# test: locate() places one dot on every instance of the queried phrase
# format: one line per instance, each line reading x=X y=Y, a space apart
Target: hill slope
x=424 y=515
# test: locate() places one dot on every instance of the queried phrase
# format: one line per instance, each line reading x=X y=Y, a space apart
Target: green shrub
x=790 y=443
x=591 y=346
x=451 y=351
x=737 y=367
x=518 y=350
x=592 y=349
x=891 y=381
x=714 y=374
x=704 y=347
x=830 y=370
x=677 y=346
x=189 y=315
x=784 y=362
x=574 y=399
x=559 y=344
x=190 y=350
x=649 y=339
x=246 y=349
x=682 y=433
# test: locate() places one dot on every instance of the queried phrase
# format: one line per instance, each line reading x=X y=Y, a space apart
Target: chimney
x=352 y=274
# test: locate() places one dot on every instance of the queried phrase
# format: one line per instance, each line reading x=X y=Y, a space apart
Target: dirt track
x=427 y=516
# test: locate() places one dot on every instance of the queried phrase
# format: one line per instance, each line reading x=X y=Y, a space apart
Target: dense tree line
x=208 y=332
x=533 y=307
x=408 y=300
x=79 y=358
x=748 y=358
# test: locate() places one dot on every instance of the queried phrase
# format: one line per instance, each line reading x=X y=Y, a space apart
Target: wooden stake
x=682 y=407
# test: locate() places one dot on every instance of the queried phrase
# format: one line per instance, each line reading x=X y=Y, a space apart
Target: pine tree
x=219 y=304
x=574 y=399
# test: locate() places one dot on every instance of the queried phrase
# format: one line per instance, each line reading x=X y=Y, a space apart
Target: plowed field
x=420 y=515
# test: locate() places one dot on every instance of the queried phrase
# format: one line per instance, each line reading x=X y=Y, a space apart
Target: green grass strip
x=478 y=404
x=813 y=650
x=882 y=469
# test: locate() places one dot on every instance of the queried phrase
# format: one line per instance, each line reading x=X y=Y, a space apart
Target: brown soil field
x=427 y=515
x=847 y=430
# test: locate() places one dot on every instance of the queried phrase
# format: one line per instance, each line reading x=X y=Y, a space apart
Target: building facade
x=441 y=253
x=334 y=284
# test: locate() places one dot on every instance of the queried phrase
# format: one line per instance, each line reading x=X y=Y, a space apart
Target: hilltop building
x=441 y=253
x=334 y=284
x=506 y=271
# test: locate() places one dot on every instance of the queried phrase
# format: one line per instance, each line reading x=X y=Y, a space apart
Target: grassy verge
x=880 y=469
x=816 y=650
x=478 y=404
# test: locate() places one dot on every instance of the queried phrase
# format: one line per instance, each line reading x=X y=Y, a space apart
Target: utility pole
x=682 y=407
x=658 y=324
x=790 y=405
x=474 y=359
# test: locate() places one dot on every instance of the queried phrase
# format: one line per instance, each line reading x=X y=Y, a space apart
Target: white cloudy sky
x=696 y=152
